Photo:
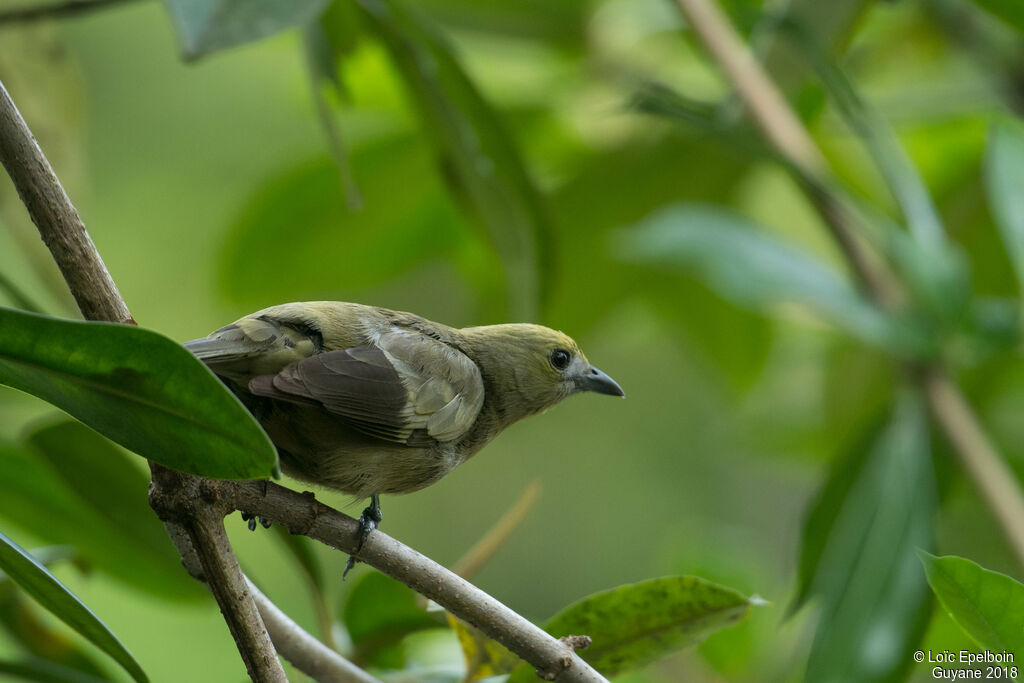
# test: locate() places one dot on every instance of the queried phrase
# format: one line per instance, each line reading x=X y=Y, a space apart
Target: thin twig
x=70 y=8
x=308 y=654
x=949 y=408
x=470 y=563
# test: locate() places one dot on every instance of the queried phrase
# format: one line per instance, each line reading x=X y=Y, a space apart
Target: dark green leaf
x=38 y=582
x=393 y=232
x=1004 y=168
x=635 y=624
x=35 y=499
x=748 y=267
x=206 y=26
x=380 y=612
x=857 y=555
x=18 y=297
x=987 y=605
x=481 y=161
x=137 y=388
x=1010 y=11
x=44 y=671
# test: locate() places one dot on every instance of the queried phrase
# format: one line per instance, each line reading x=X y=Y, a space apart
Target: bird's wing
x=407 y=387
x=255 y=345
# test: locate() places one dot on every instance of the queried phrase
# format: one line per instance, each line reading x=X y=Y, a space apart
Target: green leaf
x=635 y=624
x=44 y=671
x=1004 y=168
x=857 y=555
x=987 y=605
x=378 y=614
x=206 y=26
x=138 y=388
x=37 y=581
x=481 y=162
x=108 y=481
x=392 y=233
x=484 y=657
x=748 y=267
x=34 y=498
x=1010 y=11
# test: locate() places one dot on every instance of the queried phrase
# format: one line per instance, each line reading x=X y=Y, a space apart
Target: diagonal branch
x=991 y=475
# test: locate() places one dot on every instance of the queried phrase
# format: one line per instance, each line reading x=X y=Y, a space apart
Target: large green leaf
x=138 y=388
x=206 y=26
x=37 y=581
x=634 y=624
x=480 y=159
x=750 y=268
x=987 y=605
x=1004 y=168
x=38 y=500
x=341 y=250
x=857 y=556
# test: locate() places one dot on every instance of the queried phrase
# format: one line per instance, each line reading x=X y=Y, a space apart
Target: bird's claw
x=368 y=521
x=250 y=518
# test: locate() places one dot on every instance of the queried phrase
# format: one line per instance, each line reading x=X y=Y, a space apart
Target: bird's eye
x=560 y=359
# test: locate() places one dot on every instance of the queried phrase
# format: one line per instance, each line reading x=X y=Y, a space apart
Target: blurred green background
x=210 y=190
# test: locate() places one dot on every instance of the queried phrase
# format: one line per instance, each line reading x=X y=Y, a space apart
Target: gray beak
x=600 y=383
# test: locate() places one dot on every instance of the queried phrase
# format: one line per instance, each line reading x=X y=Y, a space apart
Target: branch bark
x=991 y=476
x=193 y=507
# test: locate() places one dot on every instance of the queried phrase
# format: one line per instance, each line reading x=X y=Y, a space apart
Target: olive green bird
x=369 y=401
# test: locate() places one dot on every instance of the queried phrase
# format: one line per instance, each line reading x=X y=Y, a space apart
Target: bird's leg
x=368 y=521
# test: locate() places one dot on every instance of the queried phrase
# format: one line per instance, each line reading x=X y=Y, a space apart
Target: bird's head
x=534 y=366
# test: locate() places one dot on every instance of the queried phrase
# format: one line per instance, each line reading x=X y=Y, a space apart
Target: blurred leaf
x=406 y=219
x=17 y=297
x=1010 y=11
x=378 y=614
x=46 y=646
x=300 y=548
x=38 y=582
x=987 y=605
x=484 y=657
x=1004 y=168
x=752 y=269
x=139 y=389
x=634 y=624
x=724 y=338
x=107 y=481
x=206 y=26
x=35 y=499
x=563 y=23
x=480 y=159
x=44 y=671
x=857 y=554
x=859 y=383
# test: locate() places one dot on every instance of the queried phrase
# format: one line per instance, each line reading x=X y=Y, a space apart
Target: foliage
x=575 y=163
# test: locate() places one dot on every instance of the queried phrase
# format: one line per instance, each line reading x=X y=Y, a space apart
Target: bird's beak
x=600 y=383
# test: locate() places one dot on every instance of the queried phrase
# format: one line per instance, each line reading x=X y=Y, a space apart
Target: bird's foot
x=251 y=519
x=368 y=521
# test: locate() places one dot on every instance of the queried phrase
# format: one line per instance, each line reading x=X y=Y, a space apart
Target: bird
x=370 y=401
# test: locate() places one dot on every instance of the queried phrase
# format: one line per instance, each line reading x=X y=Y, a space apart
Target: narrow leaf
x=482 y=162
x=857 y=557
x=206 y=26
x=987 y=605
x=1004 y=171
x=137 y=388
x=378 y=614
x=748 y=267
x=634 y=624
x=45 y=671
x=1010 y=11
x=38 y=582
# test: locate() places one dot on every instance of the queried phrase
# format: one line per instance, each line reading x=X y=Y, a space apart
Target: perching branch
x=769 y=109
x=98 y=299
x=189 y=503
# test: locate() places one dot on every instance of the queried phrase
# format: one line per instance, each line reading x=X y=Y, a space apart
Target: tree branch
x=769 y=109
x=98 y=298
x=188 y=503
